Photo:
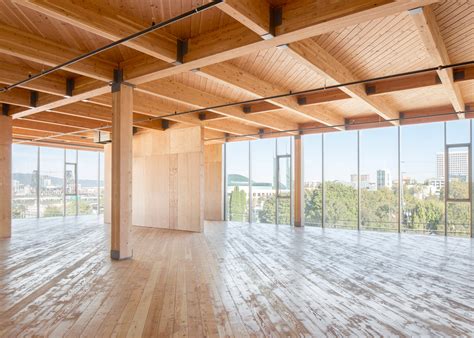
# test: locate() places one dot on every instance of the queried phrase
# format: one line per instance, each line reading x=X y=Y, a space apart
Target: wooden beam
x=44 y=126
x=27 y=46
x=299 y=182
x=5 y=176
x=425 y=22
x=122 y=108
x=309 y=53
x=254 y=14
x=260 y=107
x=179 y=92
x=59 y=144
x=322 y=96
x=67 y=120
x=231 y=75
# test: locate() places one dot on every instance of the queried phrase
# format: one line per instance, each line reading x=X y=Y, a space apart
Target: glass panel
x=312 y=179
x=101 y=183
x=458 y=172
x=71 y=156
x=340 y=151
x=237 y=166
x=24 y=181
x=284 y=211
x=284 y=176
x=284 y=145
x=422 y=147
x=263 y=181
x=379 y=179
x=88 y=176
x=71 y=205
x=71 y=179
x=457 y=131
x=459 y=218
x=51 y=182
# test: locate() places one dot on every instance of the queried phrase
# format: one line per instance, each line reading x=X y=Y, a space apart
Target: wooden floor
x=56 y=279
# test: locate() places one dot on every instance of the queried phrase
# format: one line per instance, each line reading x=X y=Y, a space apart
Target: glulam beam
x=428 y=29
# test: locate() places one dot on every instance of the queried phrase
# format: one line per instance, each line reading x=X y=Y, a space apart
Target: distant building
x=364 y=181
x=458 y=164
x=384 y=179
x=436 y=185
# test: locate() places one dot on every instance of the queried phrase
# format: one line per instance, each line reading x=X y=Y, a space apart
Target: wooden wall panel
x=169 y=179
x=108 y=183
x=5 y=176
x=213 y=187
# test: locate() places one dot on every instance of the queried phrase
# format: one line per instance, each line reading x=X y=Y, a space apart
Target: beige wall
x=168 y=179
x=213 y=193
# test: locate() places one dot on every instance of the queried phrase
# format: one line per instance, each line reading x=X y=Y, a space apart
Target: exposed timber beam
x=303 y=19
x=254 y=14
x=179 y=92
x=311 y=54
x=425 y=22
x=229 y=74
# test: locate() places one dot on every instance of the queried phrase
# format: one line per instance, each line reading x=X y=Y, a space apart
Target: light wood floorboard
x=56 y=279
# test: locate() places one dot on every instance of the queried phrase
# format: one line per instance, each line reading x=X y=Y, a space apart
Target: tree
x=267 y=214
x=52 y=211
x=238 y=205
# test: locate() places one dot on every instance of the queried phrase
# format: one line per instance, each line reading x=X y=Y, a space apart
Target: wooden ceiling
x=234 y=55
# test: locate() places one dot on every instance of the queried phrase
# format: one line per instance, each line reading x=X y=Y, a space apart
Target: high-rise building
x=458 y=164
x=384 y=179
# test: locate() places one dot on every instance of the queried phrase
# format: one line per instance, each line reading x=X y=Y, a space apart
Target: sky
x=52 y=161
x=379 y=150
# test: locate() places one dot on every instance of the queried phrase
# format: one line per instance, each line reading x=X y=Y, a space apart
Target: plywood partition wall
x=168 y=179
x=213 y=192
x=108 y=183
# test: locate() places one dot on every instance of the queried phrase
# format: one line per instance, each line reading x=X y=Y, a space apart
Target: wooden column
x=122 y=134
x=5 y=176
x=299 y=189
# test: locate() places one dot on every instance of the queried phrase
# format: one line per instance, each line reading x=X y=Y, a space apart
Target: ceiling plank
x=102 y=22
x=18 y=43
x=425 y=22
x=311 y=54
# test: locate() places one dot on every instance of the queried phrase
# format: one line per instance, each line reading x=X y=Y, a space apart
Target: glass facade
x=49 y=182
x=259 y=181
x=411 y=179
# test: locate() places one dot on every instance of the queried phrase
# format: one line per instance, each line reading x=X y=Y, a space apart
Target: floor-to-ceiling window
x=88 y=178
x=263 y=185
x=415 y=178
x=25 y=181
x=237 y=181
x=378 y=151
x=259 y=181
x=457 y=167
x=340 y=180
x=283 y=175
x=49 y=182
x=422 y=173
